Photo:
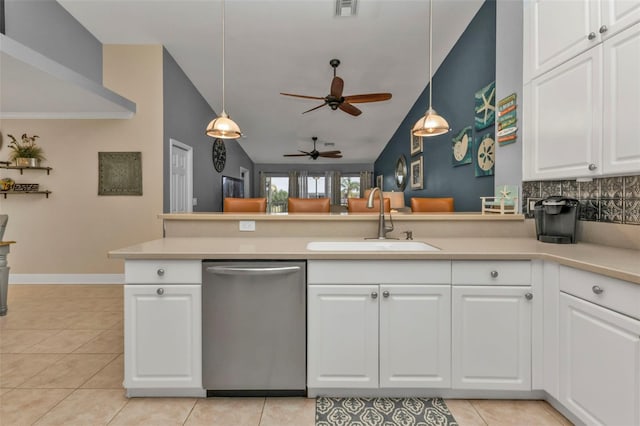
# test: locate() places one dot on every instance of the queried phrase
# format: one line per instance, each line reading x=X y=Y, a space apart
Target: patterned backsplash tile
x=611 y=199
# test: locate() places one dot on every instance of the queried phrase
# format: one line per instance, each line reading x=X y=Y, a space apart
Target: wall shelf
x=48 y=169
x=5 y=193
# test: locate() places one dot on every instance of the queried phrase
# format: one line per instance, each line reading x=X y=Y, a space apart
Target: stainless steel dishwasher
x=254 y=328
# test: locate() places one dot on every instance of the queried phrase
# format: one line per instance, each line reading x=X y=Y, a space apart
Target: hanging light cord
x=223 y=16
x=430 y=49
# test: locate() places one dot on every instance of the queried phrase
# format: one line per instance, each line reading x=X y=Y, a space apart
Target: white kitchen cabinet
x=621 y=152
x=599 y=363
x=415 y=336
x=163 y=328
x=378 y=324
x=342 y=336
x=581 y=98
x=563 y=120
x=491 y=325
x=558 y=30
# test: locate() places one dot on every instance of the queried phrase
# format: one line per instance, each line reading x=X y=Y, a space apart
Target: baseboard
x=66 y=278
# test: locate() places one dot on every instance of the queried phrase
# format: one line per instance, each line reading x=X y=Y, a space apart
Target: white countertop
x=610 y=261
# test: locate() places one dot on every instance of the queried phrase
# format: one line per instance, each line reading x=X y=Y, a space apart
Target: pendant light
x=222 y=126
x=431 y=124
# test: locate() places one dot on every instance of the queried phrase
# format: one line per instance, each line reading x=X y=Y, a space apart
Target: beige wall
x=72 y=231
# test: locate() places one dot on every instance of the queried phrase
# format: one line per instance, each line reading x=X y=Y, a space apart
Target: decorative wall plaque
x=119 y=173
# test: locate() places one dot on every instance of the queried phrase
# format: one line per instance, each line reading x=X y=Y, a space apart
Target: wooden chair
x=359 y=205
x=245 y=205
x=308 y=205
x=424 y=204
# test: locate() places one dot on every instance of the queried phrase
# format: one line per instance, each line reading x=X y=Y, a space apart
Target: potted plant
x=25 y=152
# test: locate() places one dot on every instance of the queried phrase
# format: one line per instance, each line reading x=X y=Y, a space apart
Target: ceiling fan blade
x=369 y=97
x=349 y=109
x=294 y=155
x=302 y=96
x=330 y=155
x=337 y=84
x=330 y=152
x=319 y=106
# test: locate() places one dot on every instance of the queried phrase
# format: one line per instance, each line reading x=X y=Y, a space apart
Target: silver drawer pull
x=591 y=35
x=494 y=274
x=592 y=167
x=160 y=291
x=385 y=294
x=597 y=289
x=160 y=272
x=528 y=296
x=603 y=29
x=374 y=295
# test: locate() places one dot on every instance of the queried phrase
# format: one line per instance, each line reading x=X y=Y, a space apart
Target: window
x=349 y=188
x=316 y=187
x=277 y=192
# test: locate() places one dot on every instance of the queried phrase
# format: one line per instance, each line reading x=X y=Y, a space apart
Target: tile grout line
x=264 y=403
x=478 y=413
x=195 y=402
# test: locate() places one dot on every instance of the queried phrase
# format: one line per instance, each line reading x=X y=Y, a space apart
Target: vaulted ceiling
x=275 y=46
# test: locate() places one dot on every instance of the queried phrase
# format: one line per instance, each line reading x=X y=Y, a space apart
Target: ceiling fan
x=335 y=99
x=315 y=153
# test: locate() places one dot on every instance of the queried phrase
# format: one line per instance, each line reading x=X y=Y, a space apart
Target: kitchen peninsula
x=491 y=292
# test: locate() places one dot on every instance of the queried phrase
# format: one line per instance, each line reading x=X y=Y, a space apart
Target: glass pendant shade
x=223 y=127
x=431 y=124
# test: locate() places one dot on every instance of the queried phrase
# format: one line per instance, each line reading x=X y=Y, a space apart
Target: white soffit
x=34 y=86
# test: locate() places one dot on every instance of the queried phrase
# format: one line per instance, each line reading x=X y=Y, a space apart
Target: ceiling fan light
x=223 y=127
x=431 y=124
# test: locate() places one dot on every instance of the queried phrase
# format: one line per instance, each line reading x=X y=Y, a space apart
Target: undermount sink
x=370 y=245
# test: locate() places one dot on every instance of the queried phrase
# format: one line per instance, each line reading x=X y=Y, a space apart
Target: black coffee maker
x=556 y=219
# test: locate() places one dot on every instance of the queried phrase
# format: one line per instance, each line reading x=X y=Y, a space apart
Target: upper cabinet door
x=557 y=30
x=621 y=152
x=563 y=120
x=618 y=15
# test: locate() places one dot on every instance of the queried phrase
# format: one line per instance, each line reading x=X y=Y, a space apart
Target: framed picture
x=485 y=106
x=461 y=147
x=416 y=174
x=416 y=144
x=119 y=173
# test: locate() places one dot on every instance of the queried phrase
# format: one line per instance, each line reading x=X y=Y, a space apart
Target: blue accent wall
x=469 y=67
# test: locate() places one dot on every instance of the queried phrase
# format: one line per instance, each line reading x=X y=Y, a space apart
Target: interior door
x=181 y=189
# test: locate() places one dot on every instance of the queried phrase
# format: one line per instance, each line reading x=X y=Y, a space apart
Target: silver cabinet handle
x=592 y=167
x=160 y=291
x=597 y=289
x=603 y=29
x=494 y=274
x=385 y=294
x=160 y=272
x=591 y=35
x=528 y=296
x=374 y=295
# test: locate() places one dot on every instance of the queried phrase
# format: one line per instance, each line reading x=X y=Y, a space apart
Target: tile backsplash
x=610 y=199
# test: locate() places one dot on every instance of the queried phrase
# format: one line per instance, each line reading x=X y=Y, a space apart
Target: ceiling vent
x=346 y=7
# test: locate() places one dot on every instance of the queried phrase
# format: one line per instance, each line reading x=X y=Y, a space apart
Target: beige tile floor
x=61 y=363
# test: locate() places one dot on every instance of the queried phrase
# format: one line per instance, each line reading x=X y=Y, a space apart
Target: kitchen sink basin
x=370 y=245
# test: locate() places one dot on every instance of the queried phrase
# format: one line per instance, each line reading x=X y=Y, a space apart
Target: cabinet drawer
x=488 y=272
x=163 y=271
x=618 y=295
x=378 y=272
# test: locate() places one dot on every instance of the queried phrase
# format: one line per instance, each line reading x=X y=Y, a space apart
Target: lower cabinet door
x=415 y=336
x=491 y=329
x=163 y=329
x=599 y=363
x=342 y=338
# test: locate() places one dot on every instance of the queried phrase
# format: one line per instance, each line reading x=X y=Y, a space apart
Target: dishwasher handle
x=242 y=270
